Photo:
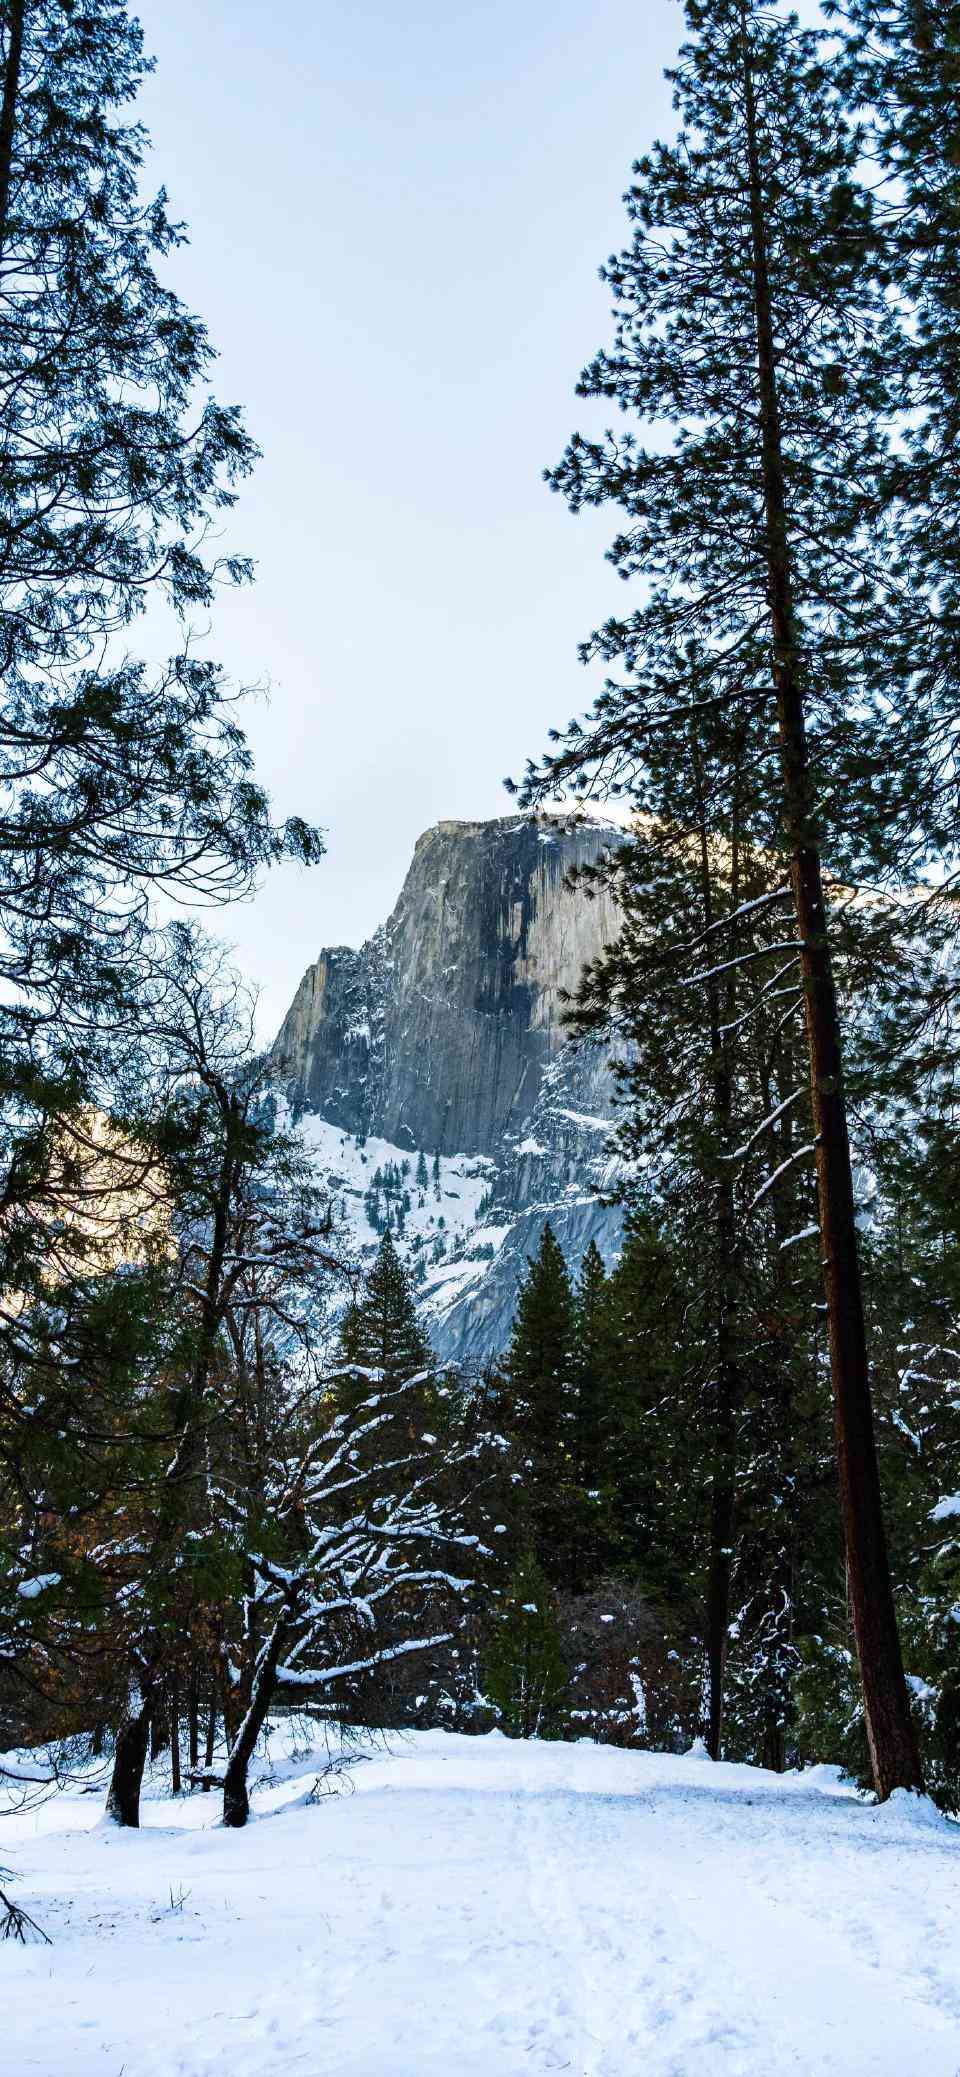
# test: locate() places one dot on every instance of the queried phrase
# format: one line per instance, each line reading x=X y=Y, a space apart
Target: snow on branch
x=710 y=973
x=793 y=1240
x=325 y=1674
x=774 y=1116
x=800 y=1155
x=736 y=916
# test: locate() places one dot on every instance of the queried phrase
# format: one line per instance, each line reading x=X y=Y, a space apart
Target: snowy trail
x=486 y=1909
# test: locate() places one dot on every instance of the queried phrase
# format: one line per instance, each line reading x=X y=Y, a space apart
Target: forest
x=708 y=1493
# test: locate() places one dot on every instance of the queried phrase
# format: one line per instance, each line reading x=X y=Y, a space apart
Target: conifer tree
x=701 y=1066
x=381 y=1331
x=898 y=70
x=743 y=306
x=590 y=1365
x=654 y=1423
x=525 y=1672
x=541 y=1396
x=590 y=1376
x=382 y=1347
x=117 y=467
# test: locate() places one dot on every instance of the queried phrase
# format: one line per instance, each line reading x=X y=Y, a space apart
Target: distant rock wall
x=445 y=1033
x=437 y=1033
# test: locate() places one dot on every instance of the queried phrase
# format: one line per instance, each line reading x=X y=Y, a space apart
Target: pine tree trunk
x=129 y=1760
x=211 y=1742
x=727 y=1386
x=175 y=1780
x=8 y=109
x=893 y=1747
x=193 y=1717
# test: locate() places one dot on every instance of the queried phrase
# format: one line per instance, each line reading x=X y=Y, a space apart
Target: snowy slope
x=487 y=1909
x=467 y=1235
x=449 y=1209
x=446 y=1242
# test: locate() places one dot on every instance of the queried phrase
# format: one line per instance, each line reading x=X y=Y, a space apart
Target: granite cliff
x=444 y=1037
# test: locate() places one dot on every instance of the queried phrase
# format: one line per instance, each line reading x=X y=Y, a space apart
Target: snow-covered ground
x=481 y=1908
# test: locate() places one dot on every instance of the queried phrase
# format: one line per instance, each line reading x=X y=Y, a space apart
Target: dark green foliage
x=653 y=1454
x=381 y=1332
x=539 y=1358
x=383 y=1352
x=525 y=1673
x=118 y=467
x=542 y=1398
x=589 y=1367
x=624 y=1609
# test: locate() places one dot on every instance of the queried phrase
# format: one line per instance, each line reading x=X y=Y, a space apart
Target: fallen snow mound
x=481 y=1908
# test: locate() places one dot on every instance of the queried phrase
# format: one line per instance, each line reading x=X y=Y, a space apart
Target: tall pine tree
x=743 y=303
x=382 y=1347
x=542 y=1406
x=381 y=1331
x=118 y=467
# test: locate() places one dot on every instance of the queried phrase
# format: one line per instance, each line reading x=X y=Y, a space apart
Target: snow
x=794 y=1239
x=484 y=1908
x=582 y=1118
x=350 y=1167
x=941 y=1513
x=30 y=1588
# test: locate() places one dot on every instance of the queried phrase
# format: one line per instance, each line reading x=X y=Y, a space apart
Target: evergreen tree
x=590 y=1364
x=898 y=70
x=542 y=1406
x=743 y=305
x=525 y=1671
x=590 y=1374
x=382 y=1347
x=117 y=779
x=653 y=1443
x=700 y=1069
x=110 y=483
x=381 y=1331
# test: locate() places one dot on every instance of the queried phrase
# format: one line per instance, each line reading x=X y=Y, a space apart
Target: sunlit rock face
x=444 y=1035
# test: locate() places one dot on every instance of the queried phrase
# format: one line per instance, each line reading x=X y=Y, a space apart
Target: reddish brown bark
x=890 y=1732
x=8 y=108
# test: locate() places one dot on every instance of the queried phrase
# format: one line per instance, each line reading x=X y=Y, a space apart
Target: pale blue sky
x=396 y=220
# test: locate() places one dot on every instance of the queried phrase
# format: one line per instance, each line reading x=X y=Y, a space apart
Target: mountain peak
x=445 y=1033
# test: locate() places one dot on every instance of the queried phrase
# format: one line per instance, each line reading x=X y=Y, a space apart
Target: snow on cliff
x=445 y=1035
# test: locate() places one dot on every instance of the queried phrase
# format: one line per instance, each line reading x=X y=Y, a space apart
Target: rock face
x=444 y=1035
